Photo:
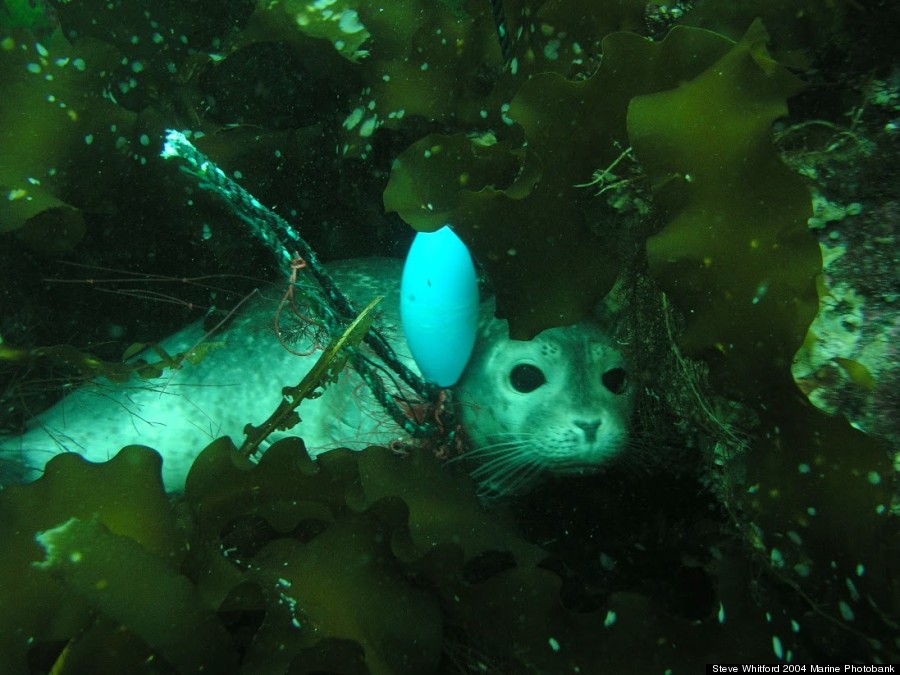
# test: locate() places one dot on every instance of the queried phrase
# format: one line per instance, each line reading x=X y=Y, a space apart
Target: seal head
x=560 y=403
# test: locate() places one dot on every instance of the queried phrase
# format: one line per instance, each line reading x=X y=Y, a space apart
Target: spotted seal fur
x=558 y=403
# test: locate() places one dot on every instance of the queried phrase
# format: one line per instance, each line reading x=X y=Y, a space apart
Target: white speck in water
x=368 y=127
x=354 y=118
x=776 y=558
x=854 y=594
x=846 y=612
x=349 y=22
x=551 y=50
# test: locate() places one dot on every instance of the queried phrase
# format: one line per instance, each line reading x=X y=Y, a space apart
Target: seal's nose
x=589 y=429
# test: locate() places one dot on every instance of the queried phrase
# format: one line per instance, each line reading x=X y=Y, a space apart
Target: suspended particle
x=802 y=569
x=776 y=558
x=354 y=118
x=368 y=127
x=854 y=594
x=847 y=613
x=776 y=648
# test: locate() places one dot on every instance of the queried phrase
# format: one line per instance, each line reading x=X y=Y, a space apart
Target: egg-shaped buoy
x=439 y=305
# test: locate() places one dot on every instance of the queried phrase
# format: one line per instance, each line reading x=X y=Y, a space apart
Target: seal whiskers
x=505 y=467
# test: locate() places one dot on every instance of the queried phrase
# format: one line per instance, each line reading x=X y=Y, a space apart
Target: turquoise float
x=439 y=305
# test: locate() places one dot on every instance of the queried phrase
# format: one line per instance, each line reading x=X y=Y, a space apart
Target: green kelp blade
x=325 y=370
x=160 y=605
x=35 y=15
x=735 y=254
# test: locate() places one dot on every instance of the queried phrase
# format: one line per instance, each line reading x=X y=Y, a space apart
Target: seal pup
x=559 y=403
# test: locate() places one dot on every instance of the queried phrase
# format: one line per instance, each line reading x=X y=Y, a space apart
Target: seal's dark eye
x=615 y=380
x=526 y=378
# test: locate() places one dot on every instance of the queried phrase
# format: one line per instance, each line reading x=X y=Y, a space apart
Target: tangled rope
x=438 y=428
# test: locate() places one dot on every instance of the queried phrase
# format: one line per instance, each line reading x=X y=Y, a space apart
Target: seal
x=559 y=403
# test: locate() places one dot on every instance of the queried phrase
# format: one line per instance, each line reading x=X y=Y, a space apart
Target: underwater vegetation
x=36 y=16
x=592 y=163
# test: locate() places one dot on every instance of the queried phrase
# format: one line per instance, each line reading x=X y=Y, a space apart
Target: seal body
x=518 y=423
